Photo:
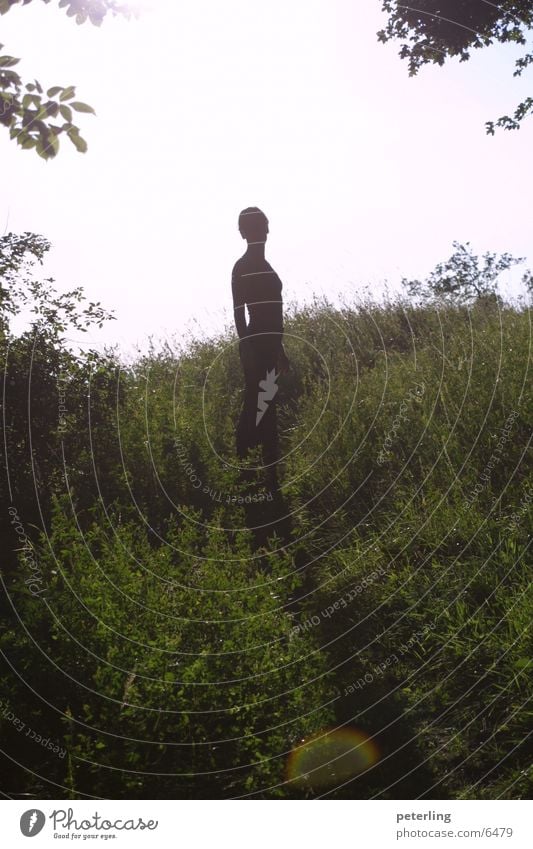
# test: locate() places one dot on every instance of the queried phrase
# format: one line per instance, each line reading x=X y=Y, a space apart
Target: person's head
x=253 y=225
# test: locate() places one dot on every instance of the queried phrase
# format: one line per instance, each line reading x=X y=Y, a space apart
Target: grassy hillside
x=185 y=631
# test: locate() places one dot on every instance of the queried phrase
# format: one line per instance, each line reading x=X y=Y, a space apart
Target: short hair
x=253 y=223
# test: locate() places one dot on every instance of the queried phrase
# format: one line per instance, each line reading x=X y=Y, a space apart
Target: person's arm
x=283 y=363
x=239 y=306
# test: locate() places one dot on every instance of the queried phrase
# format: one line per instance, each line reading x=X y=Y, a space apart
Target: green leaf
x=66 y=113
x=68 y=93
x=8 y=61
x=30 y=100
x=41 y=149
x=29 y=117
x=79 y=143
x=52 y=143
x=82 y=107
x=54 y=90
x=52 y=109
x=22 y=137
x=42 y=113
x=10 y=78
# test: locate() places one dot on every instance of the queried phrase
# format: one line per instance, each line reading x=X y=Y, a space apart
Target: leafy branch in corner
x=432 y=31
x=37 y=118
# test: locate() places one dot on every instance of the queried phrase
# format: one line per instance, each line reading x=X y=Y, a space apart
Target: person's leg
x=267 y=429
x=246 y=436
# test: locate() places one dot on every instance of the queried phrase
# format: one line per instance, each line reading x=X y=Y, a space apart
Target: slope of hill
x=178 y=632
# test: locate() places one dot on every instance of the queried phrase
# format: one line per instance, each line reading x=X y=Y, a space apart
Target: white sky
x=208 y=106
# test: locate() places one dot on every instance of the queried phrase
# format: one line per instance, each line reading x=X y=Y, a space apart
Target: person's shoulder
x=238 y=268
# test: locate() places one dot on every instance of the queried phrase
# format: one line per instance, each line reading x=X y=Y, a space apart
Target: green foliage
x=184 y=645
x=174 y=681
x=27 y=110
x=19 y=290
x=463 y=278
x=432 y=33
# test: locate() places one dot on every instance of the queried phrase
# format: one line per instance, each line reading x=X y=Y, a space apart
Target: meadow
x=177 y=633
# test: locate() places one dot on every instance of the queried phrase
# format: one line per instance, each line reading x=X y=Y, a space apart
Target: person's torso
x=261 y=288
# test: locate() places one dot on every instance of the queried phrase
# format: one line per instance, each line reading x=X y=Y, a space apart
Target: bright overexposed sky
x=205 y=107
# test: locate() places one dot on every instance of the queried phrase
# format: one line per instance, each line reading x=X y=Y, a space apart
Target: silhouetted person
x=256 y=285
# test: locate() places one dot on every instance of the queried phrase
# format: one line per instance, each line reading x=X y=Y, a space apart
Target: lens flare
x=330 y=757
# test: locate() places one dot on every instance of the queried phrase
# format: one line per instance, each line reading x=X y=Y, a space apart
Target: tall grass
x=188 y=642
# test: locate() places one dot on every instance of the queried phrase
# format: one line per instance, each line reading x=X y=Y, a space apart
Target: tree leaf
x=41 y=149
x=10 y=78
x=52 y=143
x=8 y=61
x=52 y=108
x=82 y=107
x=30 y=100
x=68 y=93
x=79 y=143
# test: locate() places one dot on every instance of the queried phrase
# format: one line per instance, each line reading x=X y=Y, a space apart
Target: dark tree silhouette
x=432 y=32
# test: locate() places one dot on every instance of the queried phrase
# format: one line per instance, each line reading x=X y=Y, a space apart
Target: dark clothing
x=256 y=285
x=258 y=420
